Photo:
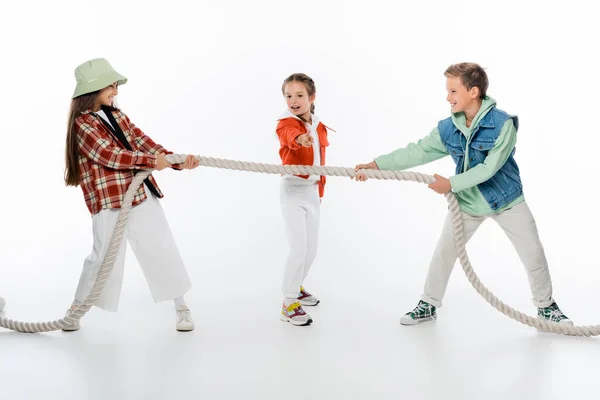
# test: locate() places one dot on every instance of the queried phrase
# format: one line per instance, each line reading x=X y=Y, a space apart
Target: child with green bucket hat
x=104 y=149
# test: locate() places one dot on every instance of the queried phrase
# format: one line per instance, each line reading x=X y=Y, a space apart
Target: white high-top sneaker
x=74 y=326
x=185 y=323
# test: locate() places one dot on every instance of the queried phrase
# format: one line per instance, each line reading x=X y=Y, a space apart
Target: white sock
x=179 y=302
x=289 y=300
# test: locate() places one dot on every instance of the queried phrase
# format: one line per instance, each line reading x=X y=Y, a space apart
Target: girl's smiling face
x=298 y=100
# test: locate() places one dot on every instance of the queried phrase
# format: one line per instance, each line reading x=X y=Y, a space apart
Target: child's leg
x=294 y=215
x=444 y=258
x=519 y=225
x=179 y=303
x=313 y=216
x=152 y=242
x=103 y=225
x=295 y=226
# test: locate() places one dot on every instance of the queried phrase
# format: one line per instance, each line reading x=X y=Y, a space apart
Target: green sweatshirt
x=431 y=148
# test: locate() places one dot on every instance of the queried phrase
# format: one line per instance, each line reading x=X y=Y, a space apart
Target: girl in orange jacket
x=303 y=140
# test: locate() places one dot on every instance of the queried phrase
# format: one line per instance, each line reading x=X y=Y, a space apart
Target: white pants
x=150 y=237
x=301 y=209
x=520 y=227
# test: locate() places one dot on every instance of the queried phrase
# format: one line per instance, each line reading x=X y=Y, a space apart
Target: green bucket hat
x=95 y=75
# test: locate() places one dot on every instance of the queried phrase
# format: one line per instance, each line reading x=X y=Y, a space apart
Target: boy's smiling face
x=459 y=97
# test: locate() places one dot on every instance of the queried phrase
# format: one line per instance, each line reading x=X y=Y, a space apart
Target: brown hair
x=471 y=75
x=78 y=105
x=311 y=89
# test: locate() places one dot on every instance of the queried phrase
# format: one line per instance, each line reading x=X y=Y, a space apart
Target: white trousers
x=520 y=227
x=151 y=240
x=301 y=207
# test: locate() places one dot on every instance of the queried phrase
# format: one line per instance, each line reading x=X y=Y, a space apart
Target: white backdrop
x=205 y=78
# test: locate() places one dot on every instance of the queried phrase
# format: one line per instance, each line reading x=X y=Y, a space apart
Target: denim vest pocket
x=479 y=150
x=456 y=151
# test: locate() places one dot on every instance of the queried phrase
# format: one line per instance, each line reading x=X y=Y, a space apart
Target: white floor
x=353 y=351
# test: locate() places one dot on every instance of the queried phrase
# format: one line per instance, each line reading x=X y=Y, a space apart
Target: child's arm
x=101 y=150
x=145 y=143
x=497 y=156
x=288 y=136
x=426 y=150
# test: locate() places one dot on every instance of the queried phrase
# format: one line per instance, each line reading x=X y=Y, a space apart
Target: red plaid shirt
x=106 y=168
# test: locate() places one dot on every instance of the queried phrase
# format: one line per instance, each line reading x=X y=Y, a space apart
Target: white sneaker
x=307 y=299
x=295 y=315
x=74 y=326
x=185 y=323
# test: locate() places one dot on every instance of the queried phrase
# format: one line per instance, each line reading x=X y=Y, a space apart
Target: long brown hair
x=311 y=89
x=78 y=105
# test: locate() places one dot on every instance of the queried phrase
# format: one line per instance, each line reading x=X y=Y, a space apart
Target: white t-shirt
x=102 y=115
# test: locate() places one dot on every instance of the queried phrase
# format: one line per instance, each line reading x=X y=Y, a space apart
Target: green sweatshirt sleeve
x=426 y=150
x=495 y=159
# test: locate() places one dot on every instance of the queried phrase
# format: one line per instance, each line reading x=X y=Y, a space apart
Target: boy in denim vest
x=481 y=140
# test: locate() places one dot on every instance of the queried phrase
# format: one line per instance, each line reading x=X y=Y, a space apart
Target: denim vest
x=505 y=186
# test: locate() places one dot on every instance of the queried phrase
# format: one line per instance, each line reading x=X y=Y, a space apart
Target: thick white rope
x=103 y=274
x=592 y=330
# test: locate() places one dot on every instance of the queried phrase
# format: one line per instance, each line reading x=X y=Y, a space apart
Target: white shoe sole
x=407 y=321
x=565 y=322
x=295 y=322
x=71 y=328
x=185 y=328
x=309 y=303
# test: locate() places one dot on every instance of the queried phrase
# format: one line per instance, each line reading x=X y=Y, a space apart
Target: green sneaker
x=423 y=312
x=553 y=314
